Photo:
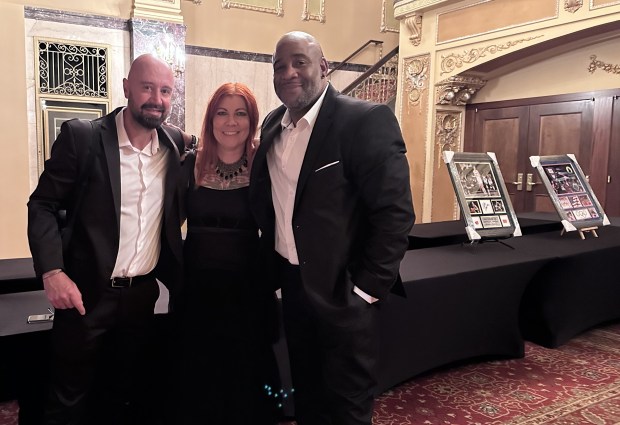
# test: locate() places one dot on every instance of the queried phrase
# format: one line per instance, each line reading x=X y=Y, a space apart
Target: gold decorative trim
x=307 y=15
x=388 y=23
x=572 y=5
x=414 y=25
x=452 y=61
x=447 y=132
x=596 y=64
x=416 y=78
x=458 y=90
x=599 y=6
x=251 y=5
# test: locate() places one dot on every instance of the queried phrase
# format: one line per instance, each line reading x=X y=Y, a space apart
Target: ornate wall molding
x=274 y=7
x=572 y=5
x=607 y=67
x=452 y=61
x=457 y=90
x=448 y=131
x=388 y=21
x=414 y=25
x=313 y=12
x=416 y=78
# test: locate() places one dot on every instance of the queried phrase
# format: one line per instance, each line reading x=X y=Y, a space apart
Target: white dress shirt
x=143 y=174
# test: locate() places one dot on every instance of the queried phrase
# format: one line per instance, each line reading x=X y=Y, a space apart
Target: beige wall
x=14 y=182
x=345 y=29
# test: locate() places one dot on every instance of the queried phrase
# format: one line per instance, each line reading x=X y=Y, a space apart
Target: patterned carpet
x=575 y=384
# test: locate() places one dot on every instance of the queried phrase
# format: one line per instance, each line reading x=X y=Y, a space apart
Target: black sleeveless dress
x=229 y=374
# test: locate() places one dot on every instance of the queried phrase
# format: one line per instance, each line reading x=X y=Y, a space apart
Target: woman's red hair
x=206 y=155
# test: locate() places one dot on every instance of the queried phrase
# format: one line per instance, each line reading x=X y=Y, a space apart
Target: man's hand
x=62 y=292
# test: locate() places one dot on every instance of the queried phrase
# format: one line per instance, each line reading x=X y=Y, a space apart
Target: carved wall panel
x=414 y=25
x=414 y=120
x=452 y=61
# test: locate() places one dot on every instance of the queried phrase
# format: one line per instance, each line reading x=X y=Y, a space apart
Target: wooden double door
x=586 y=125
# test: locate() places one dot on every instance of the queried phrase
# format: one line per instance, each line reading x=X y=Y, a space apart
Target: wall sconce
x=172 y=54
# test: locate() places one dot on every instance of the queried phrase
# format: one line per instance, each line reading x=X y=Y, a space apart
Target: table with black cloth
x=462 y=302
x=576 y=289
x=465 y=301
x=428 y=235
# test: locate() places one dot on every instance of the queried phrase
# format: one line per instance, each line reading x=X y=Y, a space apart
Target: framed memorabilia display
x=482 y=195
x=570 y=192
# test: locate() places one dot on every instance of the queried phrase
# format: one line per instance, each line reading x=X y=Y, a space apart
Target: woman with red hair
x=228 y=369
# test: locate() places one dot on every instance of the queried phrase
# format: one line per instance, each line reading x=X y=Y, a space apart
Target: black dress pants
x=99 y=360
x=332 y=354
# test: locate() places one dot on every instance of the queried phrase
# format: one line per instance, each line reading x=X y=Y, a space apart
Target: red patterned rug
x=575 y=384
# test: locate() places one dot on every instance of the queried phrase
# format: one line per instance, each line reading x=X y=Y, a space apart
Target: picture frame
x=482 y=196
x=570 y=192
x=55 y=112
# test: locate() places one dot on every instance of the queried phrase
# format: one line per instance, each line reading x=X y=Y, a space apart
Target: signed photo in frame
x=482 y=195
x=570 y=191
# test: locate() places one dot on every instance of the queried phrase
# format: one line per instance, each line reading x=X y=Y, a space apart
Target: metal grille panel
x=72 y=69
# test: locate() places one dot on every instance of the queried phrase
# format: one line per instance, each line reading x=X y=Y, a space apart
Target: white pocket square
x=326 y=166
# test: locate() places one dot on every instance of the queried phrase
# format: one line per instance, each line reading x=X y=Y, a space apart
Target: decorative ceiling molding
x=572 y=5
x=452 y=61
x=458 y=90
x=416 y=78
x=414 y=25
x=597 y=64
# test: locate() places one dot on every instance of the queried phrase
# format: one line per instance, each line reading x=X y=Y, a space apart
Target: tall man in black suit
x=125 y=234
x=330 y=191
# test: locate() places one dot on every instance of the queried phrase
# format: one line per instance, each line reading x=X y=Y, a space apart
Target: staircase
x=379 y=83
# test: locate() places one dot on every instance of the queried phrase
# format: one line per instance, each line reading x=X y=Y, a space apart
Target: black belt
x=127 y=282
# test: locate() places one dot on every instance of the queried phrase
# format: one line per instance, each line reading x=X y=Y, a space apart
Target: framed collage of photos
x=482 y=195
x=570 y=192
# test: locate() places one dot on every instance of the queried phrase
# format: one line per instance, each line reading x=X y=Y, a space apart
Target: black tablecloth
x=428 y=235
x=462 y=302
x=17 y=275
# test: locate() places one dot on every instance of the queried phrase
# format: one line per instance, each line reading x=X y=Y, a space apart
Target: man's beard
x=149 y=122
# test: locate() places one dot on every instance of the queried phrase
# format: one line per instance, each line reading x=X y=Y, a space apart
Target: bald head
x=300 y=36
x=148 y=89
x=299 y=72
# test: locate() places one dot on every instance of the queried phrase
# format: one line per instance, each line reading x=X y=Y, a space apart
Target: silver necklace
x=229 y=171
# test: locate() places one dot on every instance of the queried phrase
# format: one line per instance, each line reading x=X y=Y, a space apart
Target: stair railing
x=379 y=82
x=348 y=58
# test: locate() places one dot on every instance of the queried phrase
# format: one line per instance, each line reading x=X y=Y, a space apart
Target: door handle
x=530 y=182
x=519 y=182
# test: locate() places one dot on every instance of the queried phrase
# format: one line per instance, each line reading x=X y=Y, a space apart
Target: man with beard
x=330 y=192
x=116 y=177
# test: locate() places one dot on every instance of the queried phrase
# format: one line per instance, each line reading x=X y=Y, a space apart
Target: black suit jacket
x=353 y=209
x=91 y=254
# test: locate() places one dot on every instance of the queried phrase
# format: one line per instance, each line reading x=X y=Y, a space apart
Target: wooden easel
x=583 y=231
